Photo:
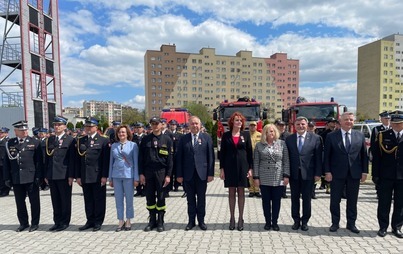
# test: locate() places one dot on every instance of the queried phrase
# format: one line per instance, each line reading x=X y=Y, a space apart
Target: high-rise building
x=174 y=79
x=380 y=76
x=111 y=110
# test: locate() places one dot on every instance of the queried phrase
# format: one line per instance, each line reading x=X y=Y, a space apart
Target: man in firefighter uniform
x=138 y=135
x=387 y=174
x=23 y=168
x=92 y=172
x=59 y=172
x=255 y=136
x=4 y=190
x=155 y=168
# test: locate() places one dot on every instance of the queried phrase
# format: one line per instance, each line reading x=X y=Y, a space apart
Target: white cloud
x=137 y=102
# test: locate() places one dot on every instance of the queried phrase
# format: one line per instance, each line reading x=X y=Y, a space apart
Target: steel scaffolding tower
x=30 y=59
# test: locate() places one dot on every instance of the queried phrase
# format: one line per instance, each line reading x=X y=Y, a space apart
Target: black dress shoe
x=232 y=224
x=304 y=227
x=251 y=194
x=202 y=226
x=314 y=197
x=62 y=227
x=85 y=227
x=33 y=228
x=382 y=232
x=267 y=227
x=54 y=227
x=137 y=194
x=240 y=225
x=97 y=227
x=334 y=228
x=284 y=195
x=190 y=225
x=275 y=227
x=184 y=195
x=22 y=228
x=258 y=195
x=398 y=233
x=295 y=226
x=353 y=229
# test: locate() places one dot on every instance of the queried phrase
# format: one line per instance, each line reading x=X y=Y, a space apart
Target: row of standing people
x=273 y=163
x=298 y=160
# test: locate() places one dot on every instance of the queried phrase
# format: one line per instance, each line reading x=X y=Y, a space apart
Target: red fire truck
x=181 y=115
x=318 y=112
x=249 y=108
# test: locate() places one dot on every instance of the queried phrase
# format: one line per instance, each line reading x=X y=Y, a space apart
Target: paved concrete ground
x=217 y=239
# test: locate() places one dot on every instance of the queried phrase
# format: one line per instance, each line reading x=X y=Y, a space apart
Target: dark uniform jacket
x=387 y=162
x=93 y=158
x=60 y=157
x=3 y=153
x=155 y=154
x=24 y=163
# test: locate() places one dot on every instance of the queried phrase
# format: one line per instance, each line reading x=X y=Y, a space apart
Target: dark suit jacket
x=338 y=162
x=199 y=157
x=93 y=163
x=309 y=161
x=387 y=165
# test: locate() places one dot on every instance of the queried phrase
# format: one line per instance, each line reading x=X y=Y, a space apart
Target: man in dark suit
x=4 y=190
x=195 y=167
x=387 y=174
x=345 y=164
x=23 y=168
x=59 y=172
x=92 y=172
x=305 y=153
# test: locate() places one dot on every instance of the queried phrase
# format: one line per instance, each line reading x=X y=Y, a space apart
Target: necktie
x=194 y=139
x=21 y=140
x=398 y=136
x=299 y=143
x=348 y=144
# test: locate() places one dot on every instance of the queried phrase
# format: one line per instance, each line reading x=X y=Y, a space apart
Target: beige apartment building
x=380 y=76
x=111 y=110
x=174 y=79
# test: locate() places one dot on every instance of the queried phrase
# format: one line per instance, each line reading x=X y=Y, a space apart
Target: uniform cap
x=311 y=124
x=116 y=123
x=91 y=121
x=43 y=130
x=35 y=130
x=60 y=119
x=279 y=122
x=163 y=120
x=173 y=122
x=384 y=114
x=156 y=120
x=397 y=117
x=4 y=129
x=331 y=120
x=21 y=125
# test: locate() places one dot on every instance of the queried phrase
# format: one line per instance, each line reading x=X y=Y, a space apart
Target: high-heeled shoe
x=128 y=227
x=120 y=228
x=232 y=224
x=240 y=225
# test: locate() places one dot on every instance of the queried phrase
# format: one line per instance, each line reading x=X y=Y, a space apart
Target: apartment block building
x=174 y=79
x=380 y=76
x=111 y=110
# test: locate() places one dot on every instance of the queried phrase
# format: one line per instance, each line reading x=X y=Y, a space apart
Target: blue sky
x=103 y=42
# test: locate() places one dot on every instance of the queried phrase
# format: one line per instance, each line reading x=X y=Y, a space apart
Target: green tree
x=131 y=115
x=70 y=125
x=214 y=133
x=200 y=111
x=79 y=125
x=209 y=127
